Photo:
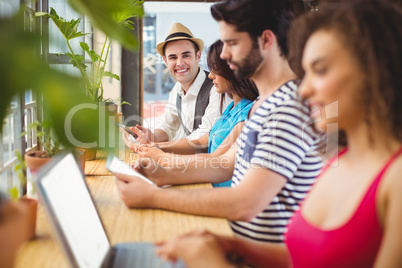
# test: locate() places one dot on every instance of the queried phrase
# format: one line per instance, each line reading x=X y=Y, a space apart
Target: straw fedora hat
x=179 y=32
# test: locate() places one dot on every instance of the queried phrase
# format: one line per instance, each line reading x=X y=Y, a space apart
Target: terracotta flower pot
x=81 y=155
x=31 y=206
x=109 y=106
x=35 y=160
x=90 y=154
x=12 y=231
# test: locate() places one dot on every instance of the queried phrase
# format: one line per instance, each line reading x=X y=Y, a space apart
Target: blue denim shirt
x=221 y=129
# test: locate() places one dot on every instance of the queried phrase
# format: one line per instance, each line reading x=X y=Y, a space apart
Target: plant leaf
x=122 y=17
x=112 y=75
x=68 y=28
x=125 y=102
x=14 y=192
x=80 y=58
x=128 y=24
x=108 y=15
x=17 y=167
x=34 y=124
x=91 y=53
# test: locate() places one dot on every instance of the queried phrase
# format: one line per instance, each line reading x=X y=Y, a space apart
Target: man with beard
x=273 y=158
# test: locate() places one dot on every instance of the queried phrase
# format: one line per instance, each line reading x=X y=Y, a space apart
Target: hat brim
x=197 y=41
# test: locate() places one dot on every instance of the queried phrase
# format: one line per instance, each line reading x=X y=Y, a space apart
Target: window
x=10 y=139
x=94 y=38
x=58 y=43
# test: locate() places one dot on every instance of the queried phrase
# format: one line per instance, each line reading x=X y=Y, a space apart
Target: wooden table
x=121 y=223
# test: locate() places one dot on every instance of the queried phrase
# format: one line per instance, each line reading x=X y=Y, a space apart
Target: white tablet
x=115 y=165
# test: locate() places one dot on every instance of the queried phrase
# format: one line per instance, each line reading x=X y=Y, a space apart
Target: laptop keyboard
x=140 y=255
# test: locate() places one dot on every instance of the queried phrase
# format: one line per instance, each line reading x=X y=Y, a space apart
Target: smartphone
x=115 y=165
x=126 y=128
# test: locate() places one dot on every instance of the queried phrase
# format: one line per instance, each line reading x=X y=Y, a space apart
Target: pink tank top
x=355 y=244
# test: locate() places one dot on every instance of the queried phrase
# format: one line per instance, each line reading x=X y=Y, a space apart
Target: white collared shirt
x=171 y=121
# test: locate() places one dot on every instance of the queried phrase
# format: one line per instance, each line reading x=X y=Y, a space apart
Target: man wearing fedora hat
x=193 y=105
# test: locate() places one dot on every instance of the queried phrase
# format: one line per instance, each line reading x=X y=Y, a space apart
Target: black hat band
x=179 y=34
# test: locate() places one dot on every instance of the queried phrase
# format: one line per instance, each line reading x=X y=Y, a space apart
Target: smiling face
x=240 y=52
x=182 y=61
x=333 y=82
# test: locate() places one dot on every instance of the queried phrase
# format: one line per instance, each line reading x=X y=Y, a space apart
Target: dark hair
x=196 y=48
x=370 y=31
x=256 y=16
x=243 y=87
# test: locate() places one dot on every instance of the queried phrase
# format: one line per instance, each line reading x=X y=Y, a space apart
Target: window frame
x=28 y=112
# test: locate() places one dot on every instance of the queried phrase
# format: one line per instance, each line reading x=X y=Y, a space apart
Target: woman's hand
x=197 y=249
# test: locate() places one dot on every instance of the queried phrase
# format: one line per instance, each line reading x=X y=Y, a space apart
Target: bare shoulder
x=391 y=186
x=393 y=178
x=389 y=209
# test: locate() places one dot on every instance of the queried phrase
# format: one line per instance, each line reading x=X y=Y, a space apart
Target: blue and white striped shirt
x=277 y=137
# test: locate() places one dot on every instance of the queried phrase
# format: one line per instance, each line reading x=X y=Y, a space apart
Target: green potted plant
x=92 y=76
x=50 y=143
x=47 y=139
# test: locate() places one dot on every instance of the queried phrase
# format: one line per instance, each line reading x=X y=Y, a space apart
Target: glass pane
x=159 y=17
x=8 y=7
x=12 y=131
x=7 y=179
x=28 y=96
x=66 y=68
x=10 y=143
x=58 y=43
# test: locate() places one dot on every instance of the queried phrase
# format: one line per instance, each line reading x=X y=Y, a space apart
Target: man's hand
x=145 y=136
x=154 y=170
x=135 y=192
x=152 y=153
x=129 y=142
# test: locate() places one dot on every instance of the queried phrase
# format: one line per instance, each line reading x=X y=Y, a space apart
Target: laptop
x=76 y=222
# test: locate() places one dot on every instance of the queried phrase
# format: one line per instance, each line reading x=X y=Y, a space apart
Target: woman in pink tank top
x=352 y=217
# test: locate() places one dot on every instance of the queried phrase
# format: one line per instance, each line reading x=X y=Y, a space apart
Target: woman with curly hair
x=352 y=59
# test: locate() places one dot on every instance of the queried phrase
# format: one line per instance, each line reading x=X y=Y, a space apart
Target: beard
x=247 y=66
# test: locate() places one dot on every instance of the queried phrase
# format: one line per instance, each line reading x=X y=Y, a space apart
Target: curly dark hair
x=369 y=30
x=243 y=87
x=256 y=16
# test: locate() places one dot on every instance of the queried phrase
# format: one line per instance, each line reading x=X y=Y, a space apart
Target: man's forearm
x=183 y=146
x=187 y=169
x=160 y=135
x=216 y=202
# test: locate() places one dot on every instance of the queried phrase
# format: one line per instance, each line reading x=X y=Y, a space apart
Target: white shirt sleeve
x=171 y=121
x=211 y=115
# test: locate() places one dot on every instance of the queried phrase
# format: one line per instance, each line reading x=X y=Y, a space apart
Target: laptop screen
x=65 y=193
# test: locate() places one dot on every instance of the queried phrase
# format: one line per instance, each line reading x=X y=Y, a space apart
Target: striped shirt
x=277 y=137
